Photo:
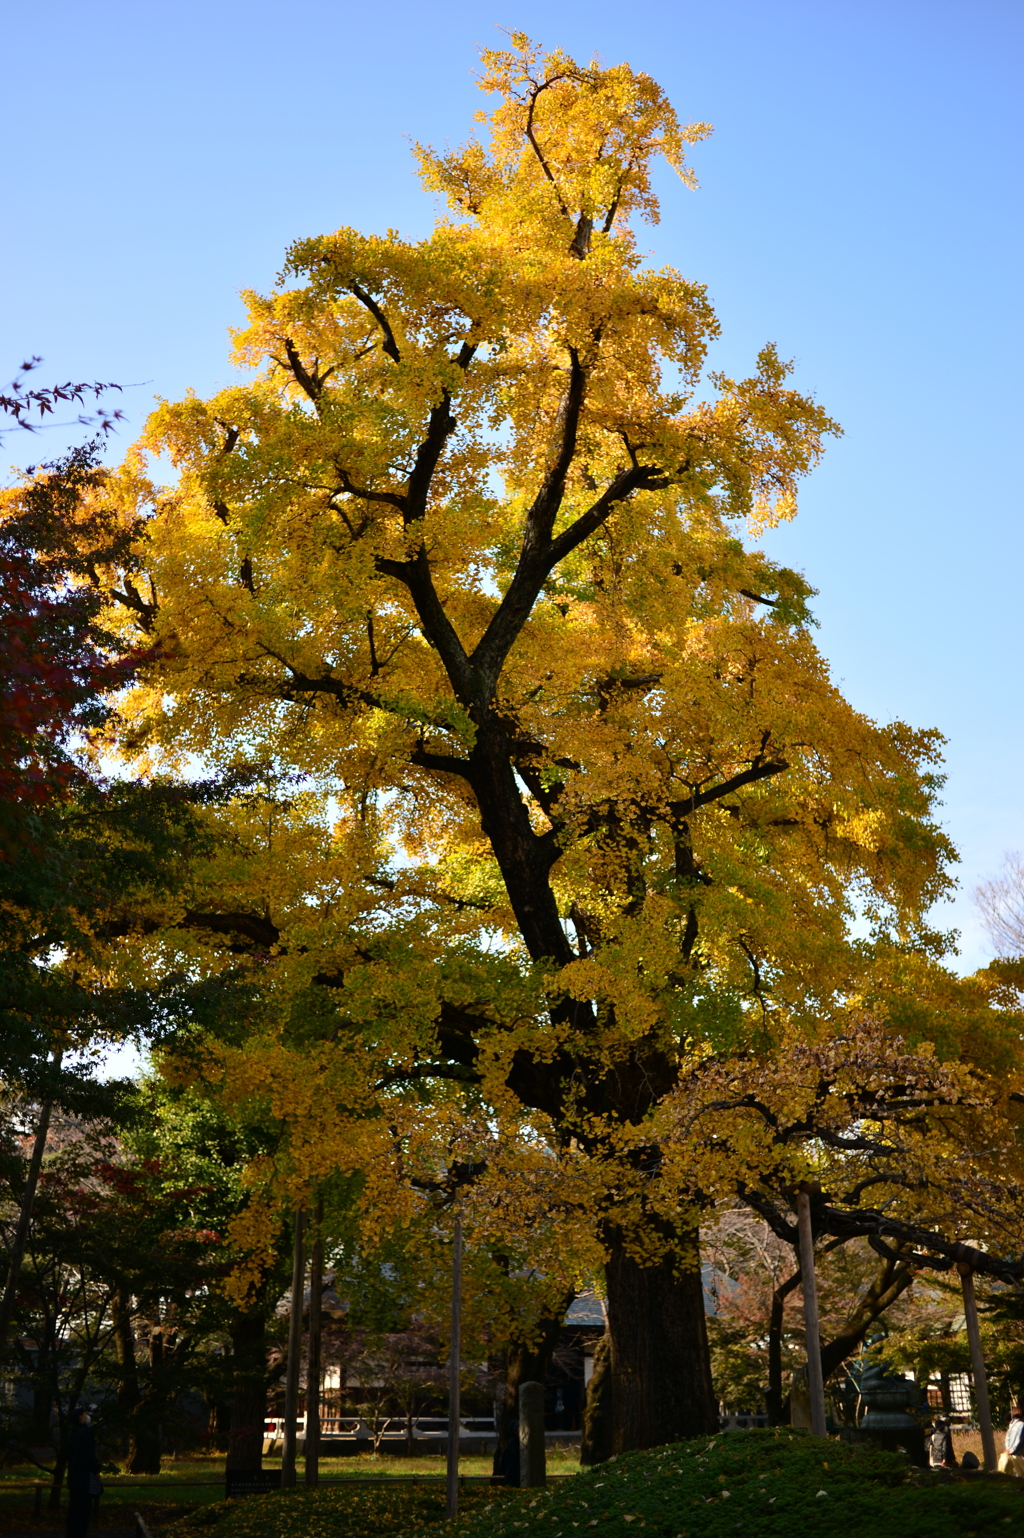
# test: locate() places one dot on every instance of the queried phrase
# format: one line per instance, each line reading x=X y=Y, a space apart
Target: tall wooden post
x=455 y=1372
x=809 y=1287
x=291 y=1382
x=316 y=1289
x=988 y=1441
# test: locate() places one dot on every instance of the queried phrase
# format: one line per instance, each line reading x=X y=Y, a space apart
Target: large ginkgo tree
x=463 y=550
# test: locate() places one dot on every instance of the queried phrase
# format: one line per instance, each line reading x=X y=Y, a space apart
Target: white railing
x=356 y=1427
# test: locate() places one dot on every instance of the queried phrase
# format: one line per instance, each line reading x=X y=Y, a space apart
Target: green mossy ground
x=765 y=1484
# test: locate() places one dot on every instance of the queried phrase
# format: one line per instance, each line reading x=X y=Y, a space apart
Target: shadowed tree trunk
x=28 y=1196
x=658 y=1345
x=596 y=1442
x=526 y=1362
x=249 y=1393
x=143 y=1441
x=778 y=1410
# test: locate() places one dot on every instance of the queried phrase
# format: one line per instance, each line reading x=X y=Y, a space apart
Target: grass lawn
x=185 y=1484
x=561 y=1460
x=766 y=1484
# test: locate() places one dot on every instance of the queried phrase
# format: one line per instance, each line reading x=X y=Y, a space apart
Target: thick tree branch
x=441 y=763
x=364 y=494
x=419 y=1071
x=255 y=928
x=890 y=1236
x=311 y=381
x=230 y=439
x=351 y=694
x=890 y=1281
x=389 y=345
x=300 y=683
x=536 y=563
x=537 y=90
x=437 y=628
x=540 y=519
x=440 y=424
x=258 y=929
x=132 y=599
x=680 y=810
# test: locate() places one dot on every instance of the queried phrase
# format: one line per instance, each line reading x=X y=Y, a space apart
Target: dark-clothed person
x=940 y=1447
x=508 y=1464
x=82 y=1466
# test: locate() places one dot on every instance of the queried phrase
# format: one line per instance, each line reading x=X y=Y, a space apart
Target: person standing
x=83 y=1466
x=1012 y=1460
x=940 y=1446
x=508 y=1464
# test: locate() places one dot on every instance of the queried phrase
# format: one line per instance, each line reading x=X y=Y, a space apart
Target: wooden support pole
x=809 y=1287
x=316 y=1290
x=291 y=1382
x=988 y=1441
x=455 y=1372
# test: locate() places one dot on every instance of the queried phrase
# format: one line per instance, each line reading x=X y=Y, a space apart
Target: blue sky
x=860 y=205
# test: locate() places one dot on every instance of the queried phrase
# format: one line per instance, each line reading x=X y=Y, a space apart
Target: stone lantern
x=889 y=1401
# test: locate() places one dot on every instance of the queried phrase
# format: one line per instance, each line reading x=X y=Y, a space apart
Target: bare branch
x=1002 y=907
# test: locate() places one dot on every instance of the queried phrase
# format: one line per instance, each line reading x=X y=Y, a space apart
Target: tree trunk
x=68 y=1398
x=249 y=1393
x=28 y=1197
x=526 y=1363
x=660 y=1362
x=43 y=1376
x=778 y=1412
x=143 y=1441
x=57 y=1477
x=596 y=1442
x=128 y=1393
x=988 y=1441
x=144 y=1448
